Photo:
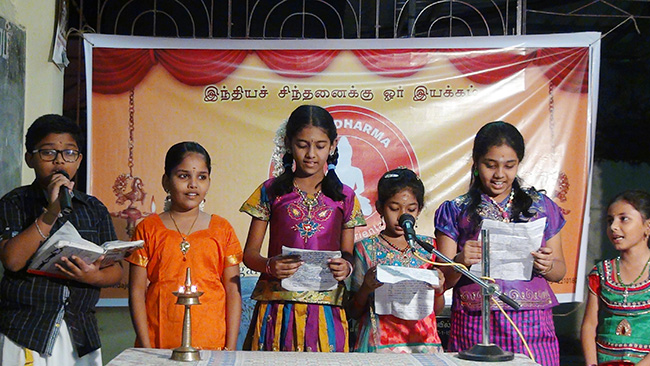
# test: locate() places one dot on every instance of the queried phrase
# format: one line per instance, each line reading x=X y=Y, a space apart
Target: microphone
x=65 y=199
x=407 y=223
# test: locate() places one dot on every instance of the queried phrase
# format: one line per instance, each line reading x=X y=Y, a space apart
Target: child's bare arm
x=588 y=330
x=253 y=259
x=15 y=252
x=549 y=260
x=342 y=267
x=232 y=286
x=439 y=299
x=137 y=291
x=359 y=301
x=278 y=266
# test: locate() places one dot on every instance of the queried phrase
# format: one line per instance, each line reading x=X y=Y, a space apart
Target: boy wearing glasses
x=42 y=319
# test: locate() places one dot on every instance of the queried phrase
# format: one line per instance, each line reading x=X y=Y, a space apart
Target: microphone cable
x=505 y=314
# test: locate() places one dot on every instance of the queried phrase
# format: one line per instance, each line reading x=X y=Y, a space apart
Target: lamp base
x=486 y=353
x=186 y=354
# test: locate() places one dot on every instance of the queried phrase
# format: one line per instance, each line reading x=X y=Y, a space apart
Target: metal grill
x=300 y=19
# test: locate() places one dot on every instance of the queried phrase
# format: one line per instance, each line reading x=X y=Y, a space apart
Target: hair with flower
x=280 y=149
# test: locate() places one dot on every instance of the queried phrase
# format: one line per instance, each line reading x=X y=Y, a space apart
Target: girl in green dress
x=616 y=325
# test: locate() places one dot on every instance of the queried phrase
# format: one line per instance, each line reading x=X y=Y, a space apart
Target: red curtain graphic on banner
x=119 y=70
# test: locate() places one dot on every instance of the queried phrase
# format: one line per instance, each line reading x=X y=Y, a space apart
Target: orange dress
x=211 y=250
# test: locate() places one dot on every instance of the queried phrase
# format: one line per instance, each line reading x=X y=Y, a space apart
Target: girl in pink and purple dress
x=306 y=209
x=495 y=193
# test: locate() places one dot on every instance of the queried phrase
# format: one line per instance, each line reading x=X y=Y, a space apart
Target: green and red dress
x=623 y=332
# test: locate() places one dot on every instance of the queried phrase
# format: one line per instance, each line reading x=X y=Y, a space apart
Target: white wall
x=43 y=81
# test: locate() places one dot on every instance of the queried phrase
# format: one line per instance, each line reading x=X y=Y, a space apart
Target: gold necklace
x=310 y=202
x=626 y=285
x=185 y=245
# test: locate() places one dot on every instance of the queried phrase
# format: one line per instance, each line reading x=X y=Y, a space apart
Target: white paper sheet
x=314 y=273
x=510 y=247
x=406 y=292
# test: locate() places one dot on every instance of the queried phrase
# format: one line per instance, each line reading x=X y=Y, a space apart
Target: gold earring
x=168 y=203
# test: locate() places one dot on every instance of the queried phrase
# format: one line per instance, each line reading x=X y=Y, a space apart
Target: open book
x=67 y=242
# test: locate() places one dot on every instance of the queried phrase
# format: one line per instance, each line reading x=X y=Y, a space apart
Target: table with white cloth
x=161 y=357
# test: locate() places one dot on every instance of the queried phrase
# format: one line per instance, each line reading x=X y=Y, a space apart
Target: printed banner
x=411 y=102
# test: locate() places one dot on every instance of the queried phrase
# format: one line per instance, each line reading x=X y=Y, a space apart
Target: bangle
x=39 y=229
x=444 y=289
x=268 y=267
x=351 y=267
x=549 y=269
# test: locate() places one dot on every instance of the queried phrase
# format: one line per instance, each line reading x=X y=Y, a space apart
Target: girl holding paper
x=305 y=209
x=400 y=191
x=496 y=193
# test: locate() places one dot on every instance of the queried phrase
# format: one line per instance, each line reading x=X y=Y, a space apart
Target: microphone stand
x=484 y=351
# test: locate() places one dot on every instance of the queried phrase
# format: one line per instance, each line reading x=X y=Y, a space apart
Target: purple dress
x=300 y=320
x=535 y=318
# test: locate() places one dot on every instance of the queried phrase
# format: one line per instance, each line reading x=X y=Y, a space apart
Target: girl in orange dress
x=184 y=236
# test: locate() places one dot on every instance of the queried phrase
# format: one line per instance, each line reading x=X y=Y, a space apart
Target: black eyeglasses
x=68 y=155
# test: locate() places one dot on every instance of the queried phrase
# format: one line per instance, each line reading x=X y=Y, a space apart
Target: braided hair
x=497 y=134
x=301 y=117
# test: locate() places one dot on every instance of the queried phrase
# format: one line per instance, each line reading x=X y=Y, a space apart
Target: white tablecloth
x=148 y=356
